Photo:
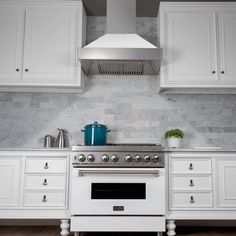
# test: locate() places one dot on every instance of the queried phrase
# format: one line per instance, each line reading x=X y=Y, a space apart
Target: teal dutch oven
x=95 y=134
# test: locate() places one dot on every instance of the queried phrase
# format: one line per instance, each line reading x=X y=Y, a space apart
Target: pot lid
x=96 y=125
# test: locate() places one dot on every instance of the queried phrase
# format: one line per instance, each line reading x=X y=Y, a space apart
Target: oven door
x=113 y=191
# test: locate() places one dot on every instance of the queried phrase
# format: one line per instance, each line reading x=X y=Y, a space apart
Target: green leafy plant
x=174 y=133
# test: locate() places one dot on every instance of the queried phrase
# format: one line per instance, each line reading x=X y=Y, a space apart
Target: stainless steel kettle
x=62 y=140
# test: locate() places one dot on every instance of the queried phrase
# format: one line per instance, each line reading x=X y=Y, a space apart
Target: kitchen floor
x=55 y=231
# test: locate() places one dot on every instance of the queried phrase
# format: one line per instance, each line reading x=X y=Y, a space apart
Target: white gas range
x=118 y=188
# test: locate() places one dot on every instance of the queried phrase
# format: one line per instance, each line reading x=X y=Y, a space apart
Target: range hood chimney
x=120 y=51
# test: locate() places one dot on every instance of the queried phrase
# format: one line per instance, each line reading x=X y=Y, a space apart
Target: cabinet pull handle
x=222 y=72
x=190 y=166
x=46 y=166
x=213 y=72
x=45 y=182
x=44 y=198
x=191 y=184
x=17 y=69
x=26 y=70
x=192 y=199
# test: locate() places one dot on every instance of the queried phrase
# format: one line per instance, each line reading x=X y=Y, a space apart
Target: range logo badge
x=118 y=208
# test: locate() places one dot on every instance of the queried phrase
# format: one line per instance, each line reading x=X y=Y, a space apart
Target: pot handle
x=108 y=130
x=82 y=130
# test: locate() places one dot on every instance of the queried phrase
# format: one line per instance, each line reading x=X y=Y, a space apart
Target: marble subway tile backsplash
x=129 y=105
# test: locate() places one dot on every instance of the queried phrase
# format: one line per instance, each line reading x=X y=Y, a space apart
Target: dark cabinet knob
x=213 y=72
x=222 y=72
x=190 y=166
x=17 y=69
x=26 y=70
x=44 y=198
x=46 y=166
x=191 y=184
x=192 y=199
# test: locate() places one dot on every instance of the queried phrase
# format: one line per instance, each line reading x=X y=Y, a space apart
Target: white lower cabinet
x=190 y=182
x=191 y=199
x=10 y=181
x=44 y=182
x=201 y=186
x=35 y=185
x=44 y=199
x=226 y=177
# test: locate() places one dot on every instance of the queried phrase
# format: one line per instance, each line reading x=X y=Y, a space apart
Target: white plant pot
x=174 y=142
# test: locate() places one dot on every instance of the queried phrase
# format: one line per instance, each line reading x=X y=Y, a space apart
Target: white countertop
x=166 y=149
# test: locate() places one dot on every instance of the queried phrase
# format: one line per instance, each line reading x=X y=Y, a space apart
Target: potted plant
x=173 y=137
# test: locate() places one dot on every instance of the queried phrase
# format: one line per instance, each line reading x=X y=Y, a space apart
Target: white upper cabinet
x=11 y=43
x=227 y=47
x=199 y=47
x=190 y=47
x=49 y=52
x=39 y=44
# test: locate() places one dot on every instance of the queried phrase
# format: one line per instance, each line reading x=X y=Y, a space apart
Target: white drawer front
x=45 y=182
x=193 y=165
x=191 y=183
x=44 y=199
x=45 y=165
x=191 y=200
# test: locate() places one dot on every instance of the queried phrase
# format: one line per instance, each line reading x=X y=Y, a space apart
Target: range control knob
x=91 y=158
x=114 y=158
x=147 y=158
x=128 y=158
x=81 y=158
x=138 y=158
x=105 y=158
x=156 y=158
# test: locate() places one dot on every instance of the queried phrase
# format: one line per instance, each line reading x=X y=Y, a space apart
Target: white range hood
x=121 y=51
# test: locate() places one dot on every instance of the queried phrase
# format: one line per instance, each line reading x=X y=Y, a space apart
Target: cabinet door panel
x=227 y=39
x=226 y=183
x=9 y=181
x=190 y=47
x=11 y=43
x=49 y=53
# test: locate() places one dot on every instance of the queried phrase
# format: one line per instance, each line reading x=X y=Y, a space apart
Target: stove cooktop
x=119 y=155
x=128 y=144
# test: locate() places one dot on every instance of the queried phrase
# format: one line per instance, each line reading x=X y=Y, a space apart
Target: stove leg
x=65 y=225
x=171 y=228
x=76 y=233
x=160 y=234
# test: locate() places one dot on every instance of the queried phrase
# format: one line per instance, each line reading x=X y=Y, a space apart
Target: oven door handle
x=156 y=173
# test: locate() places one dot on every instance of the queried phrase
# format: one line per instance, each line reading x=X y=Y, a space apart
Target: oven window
x=118 y=191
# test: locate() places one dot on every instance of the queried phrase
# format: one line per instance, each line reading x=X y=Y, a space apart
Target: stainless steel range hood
x=121 y=51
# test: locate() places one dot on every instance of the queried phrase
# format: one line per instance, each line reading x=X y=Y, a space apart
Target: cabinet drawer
x=191 y=183
x=191 y=200
x=193 y=165
x=45 y=165
x=44 y=199
x=45 y=182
